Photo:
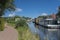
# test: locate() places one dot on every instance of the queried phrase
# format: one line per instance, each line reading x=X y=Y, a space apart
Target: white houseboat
x=50 y=24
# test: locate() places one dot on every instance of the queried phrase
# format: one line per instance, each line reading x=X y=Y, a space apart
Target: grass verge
x=25 y=34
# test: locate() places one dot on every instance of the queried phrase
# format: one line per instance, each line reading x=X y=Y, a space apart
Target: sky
x=34 y=8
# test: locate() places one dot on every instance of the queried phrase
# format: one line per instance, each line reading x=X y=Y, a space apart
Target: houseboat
x=49 y=23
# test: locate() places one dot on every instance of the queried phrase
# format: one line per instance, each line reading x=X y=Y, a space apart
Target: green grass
x=1 y=24
x=25 y=34
x=12 y=24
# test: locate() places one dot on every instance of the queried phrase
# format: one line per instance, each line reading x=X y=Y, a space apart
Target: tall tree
x=6 y=4
x=58 y=14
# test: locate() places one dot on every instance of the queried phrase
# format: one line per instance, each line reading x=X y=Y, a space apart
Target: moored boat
x=50 y=23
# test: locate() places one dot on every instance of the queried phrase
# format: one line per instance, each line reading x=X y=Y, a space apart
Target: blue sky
x=34 y=8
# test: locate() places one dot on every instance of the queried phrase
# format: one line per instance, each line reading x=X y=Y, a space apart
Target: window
x=53 y=22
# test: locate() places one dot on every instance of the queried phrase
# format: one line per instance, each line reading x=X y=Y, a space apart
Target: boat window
x=42 y=21
x=53 y=22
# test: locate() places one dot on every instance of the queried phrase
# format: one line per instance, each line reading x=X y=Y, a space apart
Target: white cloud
x=44 y=14
x=12 y=14
x=18 y=10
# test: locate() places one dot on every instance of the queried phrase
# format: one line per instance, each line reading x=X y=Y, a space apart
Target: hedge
x=1 y=24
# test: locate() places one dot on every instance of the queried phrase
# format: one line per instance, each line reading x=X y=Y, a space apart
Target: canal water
x=35 y=30
x=43 y=33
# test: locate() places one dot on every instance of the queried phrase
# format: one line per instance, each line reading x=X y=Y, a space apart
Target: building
x=53 y=16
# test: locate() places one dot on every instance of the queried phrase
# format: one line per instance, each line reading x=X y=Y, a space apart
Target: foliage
x=58 y=14
x=1 y=24
x=27 y=18
x=25 y=34
x=21 y=23
x=6 y=4
x=40 y=16
x=23 y=31
x=10 y=19
x=17 y=16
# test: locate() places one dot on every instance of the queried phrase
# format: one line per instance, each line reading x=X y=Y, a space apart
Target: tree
x=21 y=23
x=6 y=4
x=58 y=14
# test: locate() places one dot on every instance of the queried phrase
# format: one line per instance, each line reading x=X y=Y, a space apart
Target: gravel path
x=9 y=33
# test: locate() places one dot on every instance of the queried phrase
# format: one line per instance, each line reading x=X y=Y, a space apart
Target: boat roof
x=49 y=19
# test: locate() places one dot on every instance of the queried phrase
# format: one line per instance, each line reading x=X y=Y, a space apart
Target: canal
x=43 y=33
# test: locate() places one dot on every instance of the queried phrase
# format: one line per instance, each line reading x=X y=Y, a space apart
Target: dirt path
x=9 y=33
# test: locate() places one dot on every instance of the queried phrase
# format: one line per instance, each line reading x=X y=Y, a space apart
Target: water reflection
x=32 y=28
x=45 y=34
x=49 y=34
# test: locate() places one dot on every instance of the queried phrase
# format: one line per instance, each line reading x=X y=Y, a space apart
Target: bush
x=1 y=24
x=21 y=23
x=25 y=34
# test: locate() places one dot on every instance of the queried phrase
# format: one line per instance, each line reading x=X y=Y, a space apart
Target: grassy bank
x=23 y=30
x=25 y=34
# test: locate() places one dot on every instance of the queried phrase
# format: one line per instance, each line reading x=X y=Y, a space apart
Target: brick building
x=53 y=16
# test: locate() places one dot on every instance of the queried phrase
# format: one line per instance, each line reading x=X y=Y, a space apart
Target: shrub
x=21 y=23
x=1 y=24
